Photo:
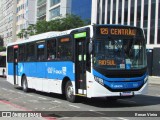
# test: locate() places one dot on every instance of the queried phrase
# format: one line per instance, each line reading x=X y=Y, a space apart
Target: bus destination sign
x=117 y=31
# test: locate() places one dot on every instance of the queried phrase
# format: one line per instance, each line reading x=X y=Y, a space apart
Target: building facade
x=25 y=14
x=41 y=9
x=15 y=15
x=6 y=20
x=141 y=13
x=60 y=8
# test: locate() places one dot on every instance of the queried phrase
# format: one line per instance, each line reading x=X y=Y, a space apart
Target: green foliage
x=59 y=24
x=2 y=48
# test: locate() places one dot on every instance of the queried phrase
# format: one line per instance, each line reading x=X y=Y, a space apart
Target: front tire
x=24 y=84
x=69 y=92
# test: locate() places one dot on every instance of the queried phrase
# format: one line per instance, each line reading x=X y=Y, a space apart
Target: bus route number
x=104 y=31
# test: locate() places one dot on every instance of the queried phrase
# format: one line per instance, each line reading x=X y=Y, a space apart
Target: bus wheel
x=69 y=92
x=24 y=84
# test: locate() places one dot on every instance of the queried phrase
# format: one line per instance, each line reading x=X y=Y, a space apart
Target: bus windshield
x=120 y=53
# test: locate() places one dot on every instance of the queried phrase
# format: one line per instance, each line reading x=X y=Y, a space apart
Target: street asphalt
x=7 y=106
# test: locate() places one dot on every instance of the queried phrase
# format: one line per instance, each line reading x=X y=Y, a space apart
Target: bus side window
x=51 y=49
x=41 y=52
x=64 y=49
x=21 y=53
x=30 y=52
x=9 y=54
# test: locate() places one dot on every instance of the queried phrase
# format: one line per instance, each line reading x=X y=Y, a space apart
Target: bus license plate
x=126 y=93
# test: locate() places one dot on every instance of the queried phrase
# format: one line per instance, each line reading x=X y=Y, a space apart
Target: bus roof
x=46 y=35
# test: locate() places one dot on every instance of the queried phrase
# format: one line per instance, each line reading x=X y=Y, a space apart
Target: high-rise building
x=15 y=15
x=6 y=20
x=25 y=14
x=141 y=13
x=60 y=8
x=41 y=9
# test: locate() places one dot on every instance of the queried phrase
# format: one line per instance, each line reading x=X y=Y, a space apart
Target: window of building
x=22 y=53
x=54 y=2
x=55 y=12
x=41 y=51
x=64 y=49
x=30 y=51
x=51 y=49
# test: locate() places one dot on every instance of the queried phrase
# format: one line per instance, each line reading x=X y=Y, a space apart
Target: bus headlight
x=99 y=80
x=145 y=79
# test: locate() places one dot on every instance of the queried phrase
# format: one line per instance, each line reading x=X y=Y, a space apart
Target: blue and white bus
x=91 y=61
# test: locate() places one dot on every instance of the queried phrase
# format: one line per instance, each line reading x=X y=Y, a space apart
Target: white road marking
x=33 y=101
x=63 y=118
x=53 y=107
x=4 y=89
x=29 y=95
x=55 y=101
x=17 y=98
x=122 y=118
x=42 y=98
x=107 y=118
x=74 y=106
x=20 y=93
x=11 y=90
x=97 y=112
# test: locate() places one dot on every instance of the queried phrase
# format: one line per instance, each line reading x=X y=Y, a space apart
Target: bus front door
x=80 y=65
x=15 y=67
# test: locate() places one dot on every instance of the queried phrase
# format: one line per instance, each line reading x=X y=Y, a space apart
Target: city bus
x=3 y=64
x=92 y=61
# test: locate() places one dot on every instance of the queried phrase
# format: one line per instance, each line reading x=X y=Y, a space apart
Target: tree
x=1 y=41
x=72 y=21
x=41 y=27
x=2 y=48
x=31 y=29
x=59 y=24
x=22 y=33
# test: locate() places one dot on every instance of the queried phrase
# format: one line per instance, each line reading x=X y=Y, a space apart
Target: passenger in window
x=49 y=57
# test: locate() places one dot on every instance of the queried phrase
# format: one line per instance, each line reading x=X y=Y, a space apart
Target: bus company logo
x=52 y=70
x=20 y=68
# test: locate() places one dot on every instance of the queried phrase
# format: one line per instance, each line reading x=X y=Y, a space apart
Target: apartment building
x=15 y=15
x=60 y=8
x=6 y=20
x=41 y=9
x=25 y=14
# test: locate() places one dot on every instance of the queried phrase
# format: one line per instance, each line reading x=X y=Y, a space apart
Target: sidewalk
x=154 y=80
